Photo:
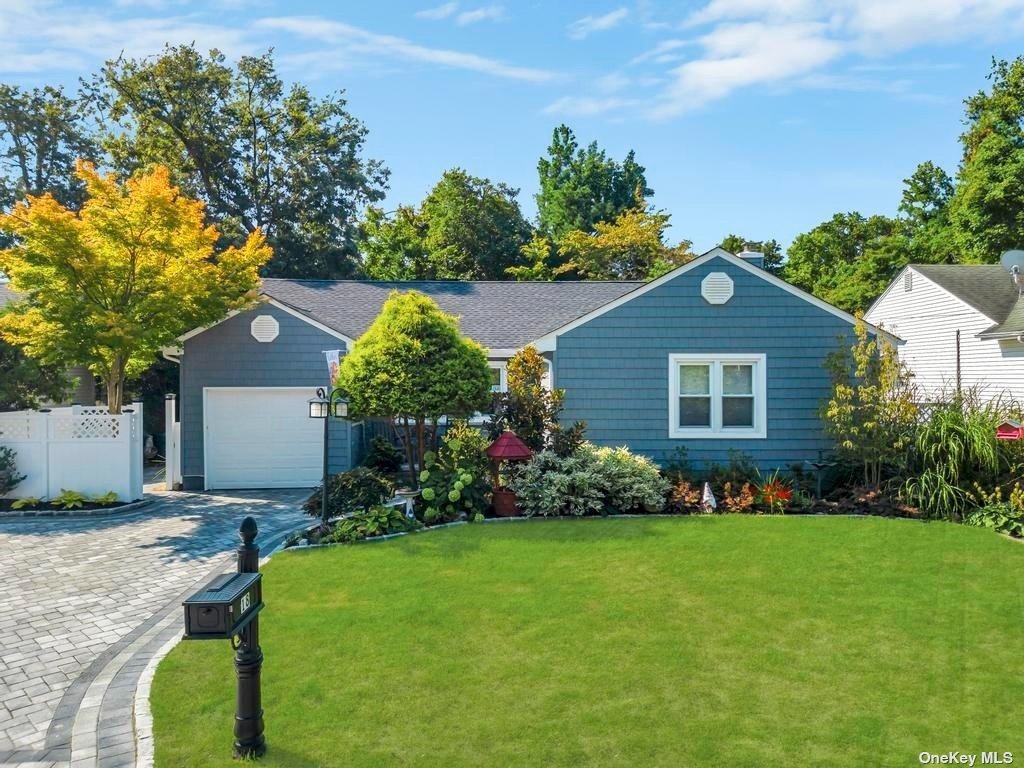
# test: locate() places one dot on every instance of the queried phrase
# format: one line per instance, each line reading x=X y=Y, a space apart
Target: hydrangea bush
x=454 y=480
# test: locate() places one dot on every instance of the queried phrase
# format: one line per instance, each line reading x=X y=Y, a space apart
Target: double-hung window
x=717 y=396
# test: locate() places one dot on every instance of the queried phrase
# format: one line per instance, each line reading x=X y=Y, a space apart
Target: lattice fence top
x=91 y=410
x=16 y=426
x=86 y=427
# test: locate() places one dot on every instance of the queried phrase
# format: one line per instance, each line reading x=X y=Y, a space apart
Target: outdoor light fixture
x=320 y=406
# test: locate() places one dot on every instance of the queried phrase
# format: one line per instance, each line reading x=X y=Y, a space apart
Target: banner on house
x=333 y=361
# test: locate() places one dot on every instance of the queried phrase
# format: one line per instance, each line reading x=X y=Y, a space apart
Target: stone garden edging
x=111 y=511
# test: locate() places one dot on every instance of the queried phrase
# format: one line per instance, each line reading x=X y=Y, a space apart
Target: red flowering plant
x=774 y=494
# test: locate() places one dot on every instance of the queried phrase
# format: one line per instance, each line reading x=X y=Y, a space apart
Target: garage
x=261 y=437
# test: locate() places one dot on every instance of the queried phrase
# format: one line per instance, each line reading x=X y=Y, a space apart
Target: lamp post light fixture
x=320 y=407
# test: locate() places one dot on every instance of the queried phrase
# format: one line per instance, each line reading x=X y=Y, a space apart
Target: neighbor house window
x=499 y=380
x=717 y=396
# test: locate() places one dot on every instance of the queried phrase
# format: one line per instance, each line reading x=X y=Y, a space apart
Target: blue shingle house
x=716 y=355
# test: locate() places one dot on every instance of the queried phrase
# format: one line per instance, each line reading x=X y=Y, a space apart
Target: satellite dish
x=1011 y=259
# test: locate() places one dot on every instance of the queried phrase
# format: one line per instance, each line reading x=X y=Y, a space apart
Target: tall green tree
x=261 y=155
x=581 y=186
x=847 y=260
x=770 y=248
x=924 y=208
x=467 y=228
x=413 y=366
x=987 y=209
x=392 y=245
x=42 y=133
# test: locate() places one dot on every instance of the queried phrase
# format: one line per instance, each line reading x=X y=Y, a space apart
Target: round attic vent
x=716 y=288
x=264 y=328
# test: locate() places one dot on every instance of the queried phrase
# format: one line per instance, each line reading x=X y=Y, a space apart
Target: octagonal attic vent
x=716 y=288
x=264 y=328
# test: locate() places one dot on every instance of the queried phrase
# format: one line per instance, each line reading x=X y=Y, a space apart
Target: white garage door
x=261 y=438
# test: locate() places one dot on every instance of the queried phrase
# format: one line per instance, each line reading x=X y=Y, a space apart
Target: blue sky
x=760 y=117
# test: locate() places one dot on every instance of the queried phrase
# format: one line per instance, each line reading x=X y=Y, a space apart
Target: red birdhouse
x=507 y=447
x=1009 y=430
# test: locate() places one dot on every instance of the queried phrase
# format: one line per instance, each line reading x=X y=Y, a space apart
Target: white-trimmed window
x=717 y=396
x=499 y=376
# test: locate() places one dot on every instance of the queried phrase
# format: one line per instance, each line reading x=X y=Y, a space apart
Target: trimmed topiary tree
x=412 y=366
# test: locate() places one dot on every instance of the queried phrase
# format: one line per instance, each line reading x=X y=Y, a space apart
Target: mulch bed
x=7 y=509
x=861 y=501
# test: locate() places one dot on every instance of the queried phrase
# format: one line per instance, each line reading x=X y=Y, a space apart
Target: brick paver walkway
x=84 y=605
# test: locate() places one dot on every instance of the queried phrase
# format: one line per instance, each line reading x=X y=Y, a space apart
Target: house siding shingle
x=615 y=367
x=227 y=355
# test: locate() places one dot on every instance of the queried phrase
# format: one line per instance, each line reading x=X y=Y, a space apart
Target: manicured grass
x=723 y=641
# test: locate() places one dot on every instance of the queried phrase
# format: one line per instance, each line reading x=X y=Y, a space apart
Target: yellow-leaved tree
x=109 y=285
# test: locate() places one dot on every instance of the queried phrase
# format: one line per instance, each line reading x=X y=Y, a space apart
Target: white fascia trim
x=203 y=328
x=306 y=318
x=501 y=352
x=888 y=289
x=173 y=354
x=548 y=342
x=760 y=386
x=264 y=299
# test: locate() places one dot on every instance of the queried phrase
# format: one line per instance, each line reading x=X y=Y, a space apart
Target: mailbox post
x=249 y=740
x=228 y=609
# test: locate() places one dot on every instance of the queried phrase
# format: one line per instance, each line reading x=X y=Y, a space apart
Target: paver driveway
x=85 y=603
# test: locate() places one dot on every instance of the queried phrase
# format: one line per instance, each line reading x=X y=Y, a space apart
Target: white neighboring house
x=961 y=324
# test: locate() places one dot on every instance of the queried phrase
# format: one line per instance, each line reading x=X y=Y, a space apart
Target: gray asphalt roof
x=499 y=315
x=1013 y=325
x=986 y=287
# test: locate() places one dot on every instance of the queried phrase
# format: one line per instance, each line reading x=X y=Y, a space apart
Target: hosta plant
x=105 y=499
x=1002 y=517
x=68 y=499
x=29 y=502
x=378 y=520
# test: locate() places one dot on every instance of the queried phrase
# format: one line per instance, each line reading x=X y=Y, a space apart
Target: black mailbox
x=223 y=607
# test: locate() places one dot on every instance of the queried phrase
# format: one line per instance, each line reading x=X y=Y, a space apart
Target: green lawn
x=717 y=641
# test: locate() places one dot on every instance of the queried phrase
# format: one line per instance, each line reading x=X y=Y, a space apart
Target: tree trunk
x=421 y=446
x=115 y=387
x=407 y=443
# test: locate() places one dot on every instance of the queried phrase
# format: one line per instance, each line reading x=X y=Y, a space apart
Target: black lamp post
x=324 y=406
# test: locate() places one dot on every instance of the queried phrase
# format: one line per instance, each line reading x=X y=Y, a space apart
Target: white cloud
x=588 y=106
x=486 y=13
x=740 y=55
x=354 y=39
x=660 y=51
x=41 y=36
x=612 y=82
x=761 y=42
x=440 y=12
x=586 y=26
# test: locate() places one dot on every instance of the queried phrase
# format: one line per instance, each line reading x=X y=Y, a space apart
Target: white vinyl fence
x=80 y=448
